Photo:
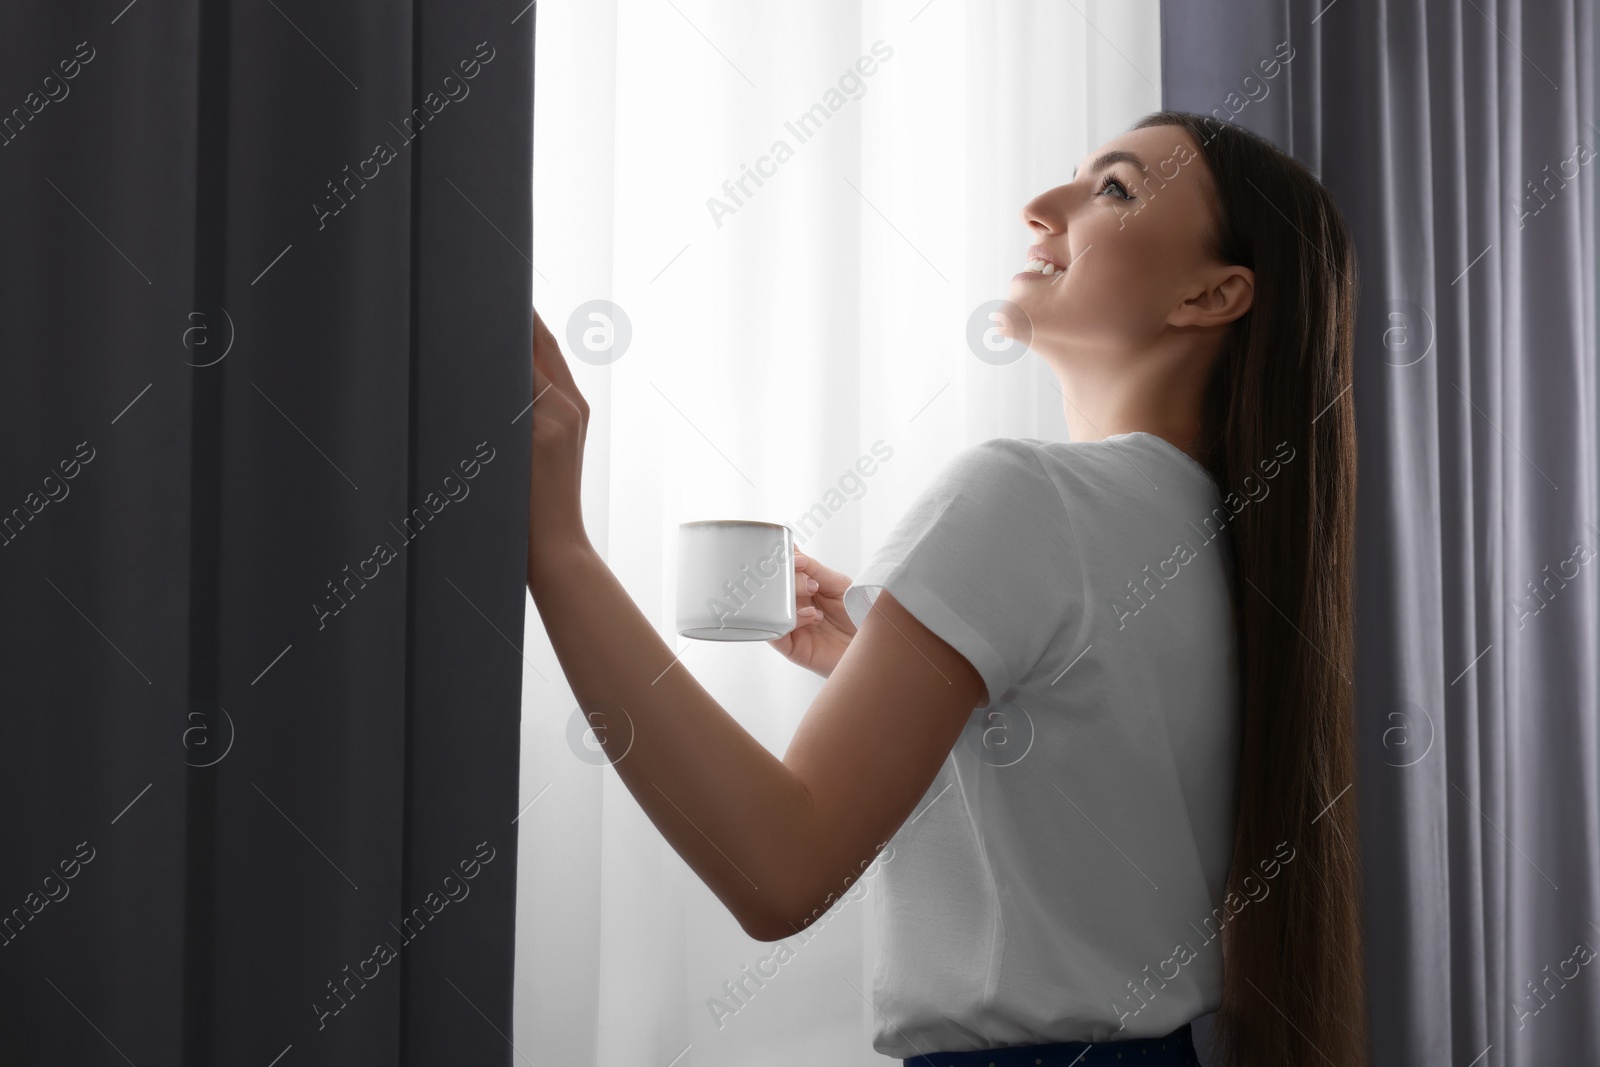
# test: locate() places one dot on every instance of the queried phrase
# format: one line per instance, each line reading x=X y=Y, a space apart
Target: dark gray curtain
x=1459 y=139
x=264 y=343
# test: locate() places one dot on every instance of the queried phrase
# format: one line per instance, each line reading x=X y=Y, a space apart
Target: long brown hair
x=1294 y=989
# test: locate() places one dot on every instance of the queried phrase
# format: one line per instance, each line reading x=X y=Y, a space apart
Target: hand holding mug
x=822 y=626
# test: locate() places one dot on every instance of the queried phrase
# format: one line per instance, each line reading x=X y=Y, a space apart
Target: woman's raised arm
x=776 y=840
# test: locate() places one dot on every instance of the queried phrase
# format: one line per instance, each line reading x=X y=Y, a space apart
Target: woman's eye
x=1122 y=192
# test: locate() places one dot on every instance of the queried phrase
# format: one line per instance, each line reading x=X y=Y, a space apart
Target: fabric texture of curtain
x=1460 y=141
x=763 y=335
x=262 y=539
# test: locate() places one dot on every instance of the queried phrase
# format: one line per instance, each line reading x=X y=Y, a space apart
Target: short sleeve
x=985 y=559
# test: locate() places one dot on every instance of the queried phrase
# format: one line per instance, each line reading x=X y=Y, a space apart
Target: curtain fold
x=262 y=529
x=1459 y=141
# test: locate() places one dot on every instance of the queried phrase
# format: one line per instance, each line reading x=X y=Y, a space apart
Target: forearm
x=736 y=814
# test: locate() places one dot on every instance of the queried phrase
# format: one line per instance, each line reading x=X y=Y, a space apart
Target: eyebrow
x=1114 y=156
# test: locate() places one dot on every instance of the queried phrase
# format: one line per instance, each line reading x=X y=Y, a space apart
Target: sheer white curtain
x=773 y=342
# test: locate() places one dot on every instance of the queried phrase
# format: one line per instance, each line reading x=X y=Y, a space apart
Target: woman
x=1154 y=619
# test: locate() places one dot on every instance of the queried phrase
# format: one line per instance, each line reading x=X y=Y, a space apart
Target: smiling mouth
x=1040 y=270
x=1040 y=266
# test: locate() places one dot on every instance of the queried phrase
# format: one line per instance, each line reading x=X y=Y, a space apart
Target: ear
x=1226 y=294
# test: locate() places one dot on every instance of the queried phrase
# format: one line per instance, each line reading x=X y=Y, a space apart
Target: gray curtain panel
x=1460 y=140
x=263 y=483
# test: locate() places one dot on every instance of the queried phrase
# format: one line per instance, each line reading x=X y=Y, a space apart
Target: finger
x=548 y=358
x=830 y=583
x=805 y=586
x=545 y=392
x=550 y=401
x=541 y=382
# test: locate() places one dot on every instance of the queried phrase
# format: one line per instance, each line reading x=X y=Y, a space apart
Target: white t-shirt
x=1081 y=829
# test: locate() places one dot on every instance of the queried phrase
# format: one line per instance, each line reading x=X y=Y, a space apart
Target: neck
x=1151 y=393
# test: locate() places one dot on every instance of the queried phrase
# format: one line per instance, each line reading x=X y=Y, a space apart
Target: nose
x=1045 y=213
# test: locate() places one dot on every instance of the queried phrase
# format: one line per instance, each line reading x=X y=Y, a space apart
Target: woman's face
x=1129 y=229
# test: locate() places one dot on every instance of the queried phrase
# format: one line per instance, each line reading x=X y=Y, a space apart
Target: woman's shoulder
x=1098 y=492
x=1120 y=466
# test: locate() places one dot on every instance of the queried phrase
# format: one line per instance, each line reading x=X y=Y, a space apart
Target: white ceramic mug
x=735 y=580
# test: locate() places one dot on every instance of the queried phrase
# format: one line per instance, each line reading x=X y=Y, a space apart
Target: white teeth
x=1041 y=267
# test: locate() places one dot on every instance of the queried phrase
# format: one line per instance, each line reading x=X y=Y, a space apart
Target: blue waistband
x=1174 y=1050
